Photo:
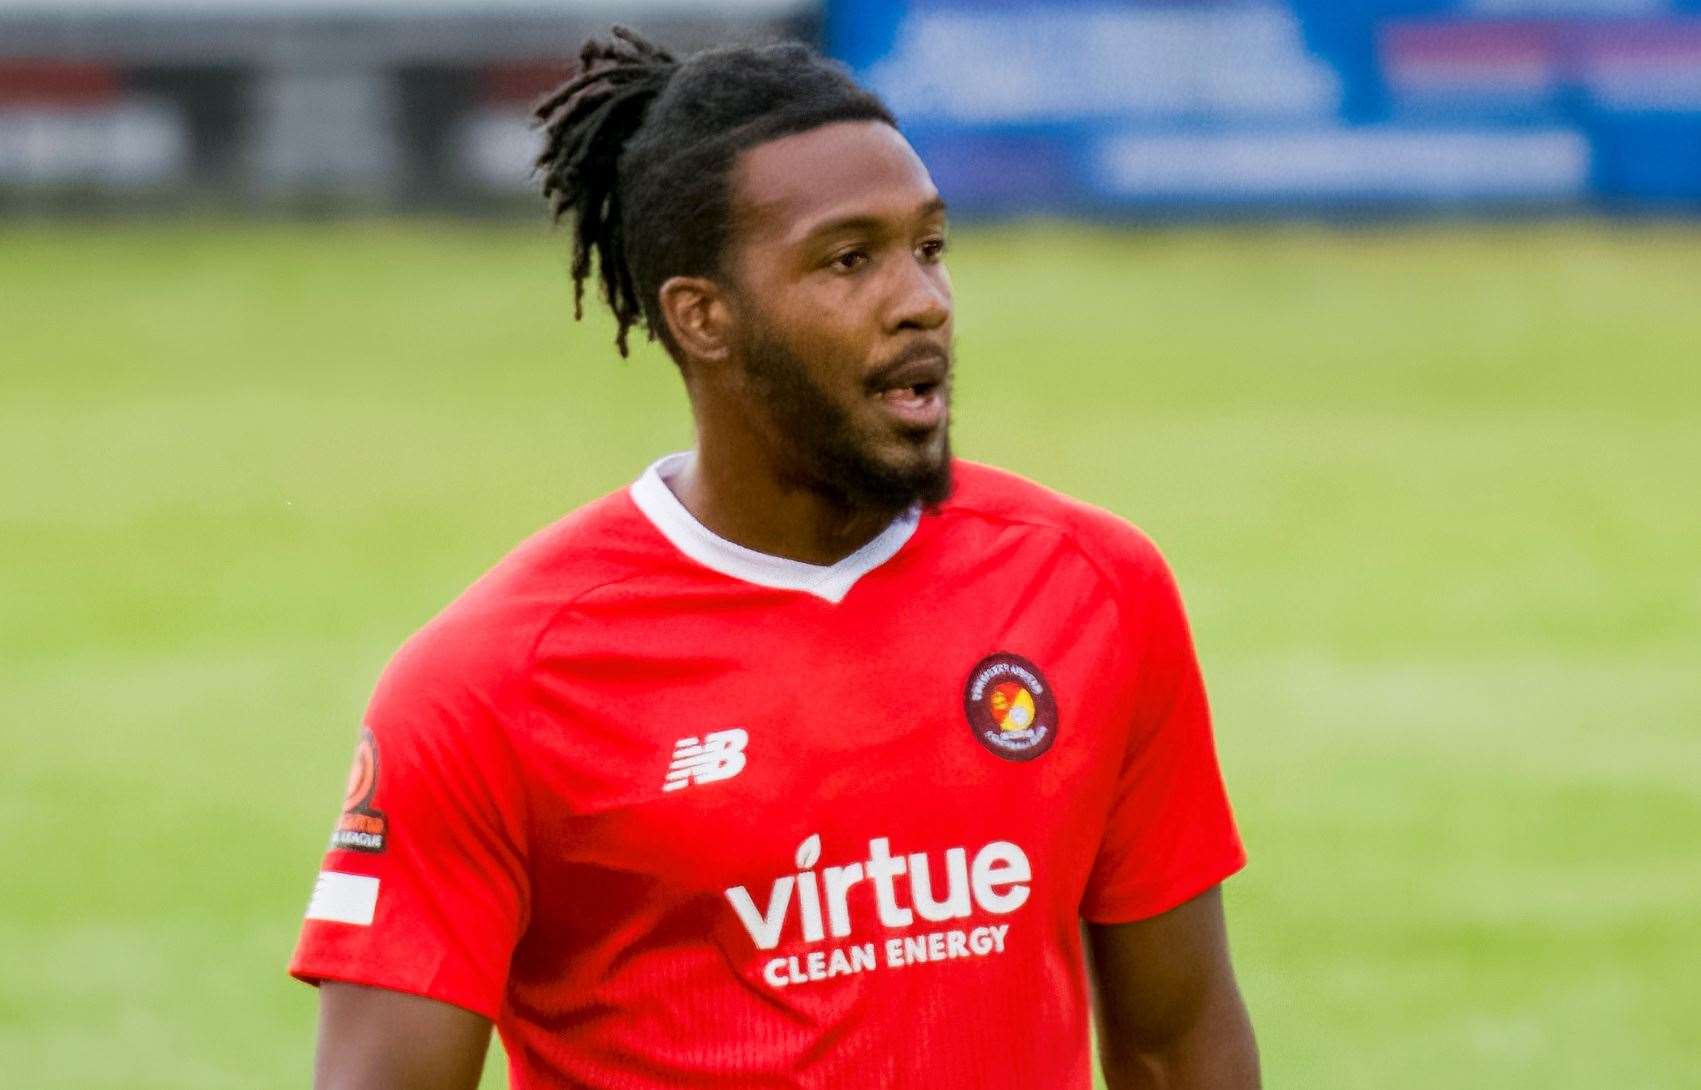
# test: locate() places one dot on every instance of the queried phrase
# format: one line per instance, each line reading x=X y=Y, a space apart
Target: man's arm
x=374 y=1039
x=1170 y=1016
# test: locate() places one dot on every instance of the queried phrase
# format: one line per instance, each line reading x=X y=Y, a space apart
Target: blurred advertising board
x=309 y=104
x=1222 y=105
x=74 y=124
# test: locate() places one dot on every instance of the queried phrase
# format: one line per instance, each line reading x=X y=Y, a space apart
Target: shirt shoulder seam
x=1086 y=555
x=529 y=665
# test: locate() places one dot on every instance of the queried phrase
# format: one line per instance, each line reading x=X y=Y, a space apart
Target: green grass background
x=1432 y=493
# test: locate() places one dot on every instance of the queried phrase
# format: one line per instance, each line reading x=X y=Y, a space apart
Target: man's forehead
x=785 y=189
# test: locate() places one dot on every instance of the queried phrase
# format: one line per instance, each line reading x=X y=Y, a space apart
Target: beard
x=821 y=447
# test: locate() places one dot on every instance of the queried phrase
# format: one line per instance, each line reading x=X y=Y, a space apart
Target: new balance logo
x=719 y=756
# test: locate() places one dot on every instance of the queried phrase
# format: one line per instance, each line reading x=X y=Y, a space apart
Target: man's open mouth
x=914 y=393
x=913 y=388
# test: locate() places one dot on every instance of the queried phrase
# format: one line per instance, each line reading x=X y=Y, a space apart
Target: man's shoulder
x=485 y=636
x=1122 y=551
x=605 y=540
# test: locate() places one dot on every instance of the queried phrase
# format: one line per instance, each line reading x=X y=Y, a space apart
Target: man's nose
x=922 y=297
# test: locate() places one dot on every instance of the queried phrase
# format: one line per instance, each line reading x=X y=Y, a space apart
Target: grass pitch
x=1431 y=493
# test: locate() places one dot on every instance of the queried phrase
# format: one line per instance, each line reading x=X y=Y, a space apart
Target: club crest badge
x=1010 y=707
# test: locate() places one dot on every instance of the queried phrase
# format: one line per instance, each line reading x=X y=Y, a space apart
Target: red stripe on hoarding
x=1566 y=46
x=1671 y=42
x=56 y=83
x=521 y=81
x=1472 y=42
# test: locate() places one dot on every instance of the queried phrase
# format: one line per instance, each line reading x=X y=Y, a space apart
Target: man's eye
x=849 y=261
x=932 y=250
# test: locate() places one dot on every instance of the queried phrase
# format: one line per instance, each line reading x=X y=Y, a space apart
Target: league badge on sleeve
x=1010 y=707
x=361 y=827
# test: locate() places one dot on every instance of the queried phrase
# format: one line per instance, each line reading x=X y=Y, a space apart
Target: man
x=800 y=762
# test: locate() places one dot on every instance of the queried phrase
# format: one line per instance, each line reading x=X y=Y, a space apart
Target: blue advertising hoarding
x=1072 y=105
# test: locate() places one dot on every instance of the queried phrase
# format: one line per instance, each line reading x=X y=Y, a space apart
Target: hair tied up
x=641 y=150
x=587 y=121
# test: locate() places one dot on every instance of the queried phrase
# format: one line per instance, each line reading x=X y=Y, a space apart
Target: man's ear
x=698 y=316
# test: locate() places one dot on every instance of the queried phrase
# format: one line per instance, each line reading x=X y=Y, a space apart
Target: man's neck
x=759 y=510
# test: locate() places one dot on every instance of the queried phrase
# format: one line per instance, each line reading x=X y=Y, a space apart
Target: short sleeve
x=1170 y=834
x=423 y=889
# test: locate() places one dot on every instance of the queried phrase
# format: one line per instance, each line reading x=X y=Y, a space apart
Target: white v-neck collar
x=830 y=582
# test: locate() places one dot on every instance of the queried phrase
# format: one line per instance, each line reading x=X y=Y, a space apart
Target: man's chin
x=865 y=481
x=938 y=491
x=921 y=478
x=933 y=487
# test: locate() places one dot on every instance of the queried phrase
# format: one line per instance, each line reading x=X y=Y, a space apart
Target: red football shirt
x=674 y=813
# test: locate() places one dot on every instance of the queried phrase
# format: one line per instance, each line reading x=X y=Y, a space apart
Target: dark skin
x=837 y=253
x=1169 y=1012
x=839 y=240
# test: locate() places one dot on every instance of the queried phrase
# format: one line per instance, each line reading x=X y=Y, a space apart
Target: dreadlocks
x=640 y=146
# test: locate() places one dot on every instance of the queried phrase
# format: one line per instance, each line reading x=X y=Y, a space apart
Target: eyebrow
x=933 y=207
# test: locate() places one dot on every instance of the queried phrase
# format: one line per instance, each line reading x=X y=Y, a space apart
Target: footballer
x=816 y=757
